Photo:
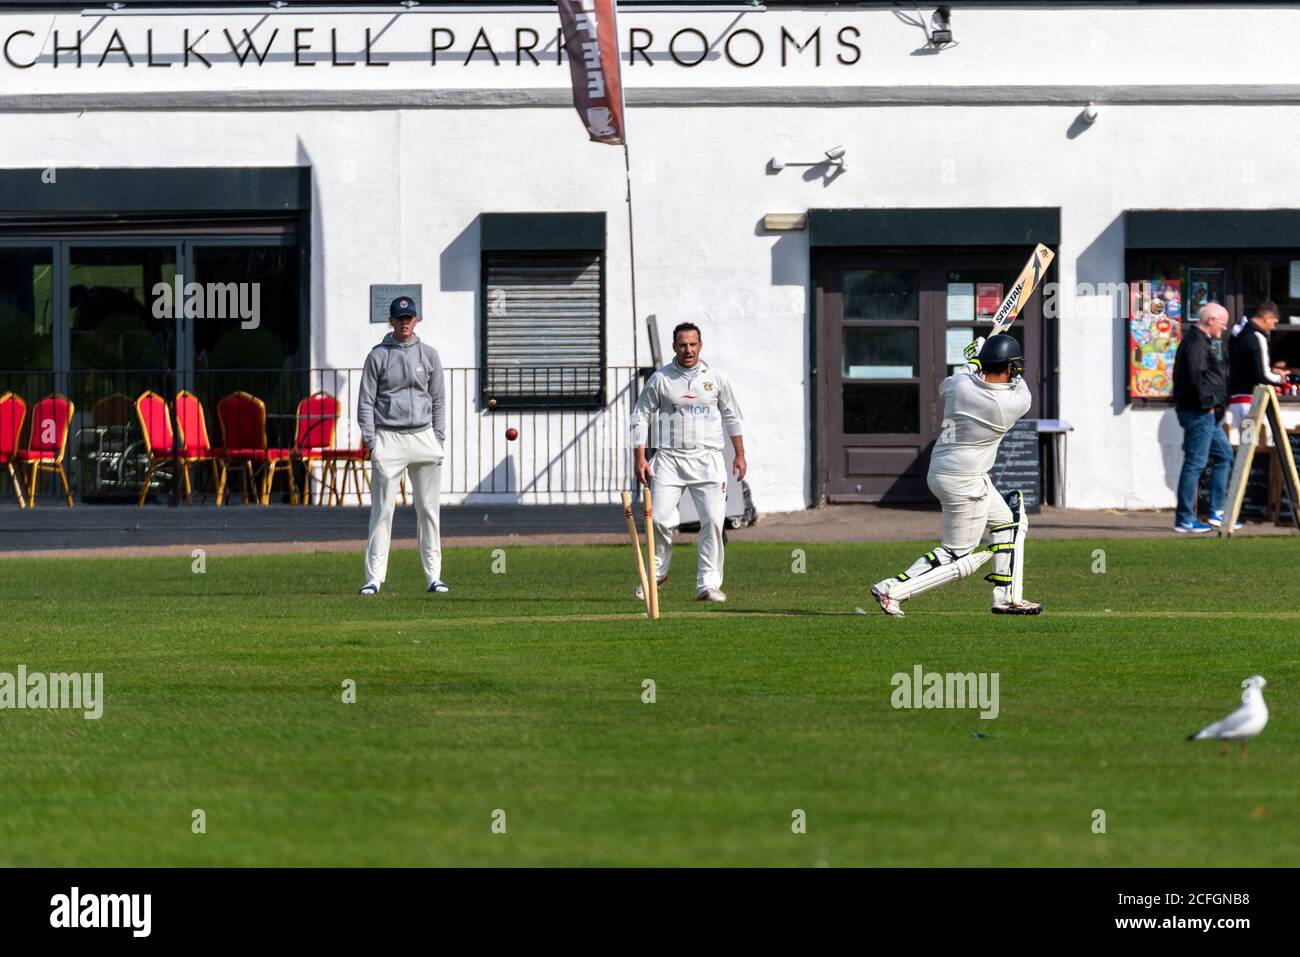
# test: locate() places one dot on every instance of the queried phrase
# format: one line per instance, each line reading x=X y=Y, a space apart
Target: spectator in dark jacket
x=1249 y=364
x=1200 y=396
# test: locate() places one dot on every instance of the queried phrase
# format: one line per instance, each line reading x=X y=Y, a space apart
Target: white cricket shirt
x=686 y=411
x=976 y=414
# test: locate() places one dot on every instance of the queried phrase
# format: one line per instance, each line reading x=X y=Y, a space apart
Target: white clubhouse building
x=324 y=149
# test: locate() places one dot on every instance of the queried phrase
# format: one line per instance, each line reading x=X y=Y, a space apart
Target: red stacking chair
x=156 y=426
x=12 y=412
x=315 y=425
x=192 y=430
x=112 y=411
x=47 y=440
x=354 y=466
x=243 y=430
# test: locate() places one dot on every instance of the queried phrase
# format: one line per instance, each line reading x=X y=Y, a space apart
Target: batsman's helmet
x=1003 y=351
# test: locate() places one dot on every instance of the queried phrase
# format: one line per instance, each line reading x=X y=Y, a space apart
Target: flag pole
x=631 y=248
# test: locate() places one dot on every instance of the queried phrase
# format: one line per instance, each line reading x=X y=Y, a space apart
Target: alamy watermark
x=931 y=689
x=36 y=691
x=209 y=300
x=77 y=909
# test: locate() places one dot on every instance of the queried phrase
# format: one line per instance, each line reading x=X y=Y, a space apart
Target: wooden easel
x=1263 y=405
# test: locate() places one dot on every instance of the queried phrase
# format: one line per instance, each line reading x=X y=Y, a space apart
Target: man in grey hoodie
x=402 y=411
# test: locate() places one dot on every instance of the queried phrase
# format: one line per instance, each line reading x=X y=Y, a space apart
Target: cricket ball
x=511 y=434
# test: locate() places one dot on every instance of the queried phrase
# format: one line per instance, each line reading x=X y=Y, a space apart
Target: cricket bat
x=1022 y=289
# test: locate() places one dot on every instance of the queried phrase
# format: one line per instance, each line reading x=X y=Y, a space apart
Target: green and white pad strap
x=1007 y=543
x=932 y=570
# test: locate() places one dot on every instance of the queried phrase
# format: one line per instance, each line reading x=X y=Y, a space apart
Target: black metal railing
x=570 y=427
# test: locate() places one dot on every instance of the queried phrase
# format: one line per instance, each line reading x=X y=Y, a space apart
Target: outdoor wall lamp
x=942 y=26
x=834 y=157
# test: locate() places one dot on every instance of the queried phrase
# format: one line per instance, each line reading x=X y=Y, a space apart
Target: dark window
x=543 y=329
x=27 y=308
x=267 y=277
x=1238 y=279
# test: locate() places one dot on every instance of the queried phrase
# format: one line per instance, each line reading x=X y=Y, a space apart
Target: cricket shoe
x=890 y=606
x=710 y=594
x=640 y=592
x=369 y=588
x=1021 y=607
x=439 y=586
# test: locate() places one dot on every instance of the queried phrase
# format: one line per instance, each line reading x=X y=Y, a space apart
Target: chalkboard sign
x=1254 y=504
x=1018 y=465
x=1284 y=512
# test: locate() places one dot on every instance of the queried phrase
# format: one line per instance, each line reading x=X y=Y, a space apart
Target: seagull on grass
x=1246 y=722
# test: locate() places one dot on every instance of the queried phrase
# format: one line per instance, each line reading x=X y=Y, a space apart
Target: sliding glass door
x=102 y=319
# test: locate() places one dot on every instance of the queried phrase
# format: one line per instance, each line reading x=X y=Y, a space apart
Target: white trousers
x=706 y=477
x=970 y=506
x=1237 y=412
x=420 y=455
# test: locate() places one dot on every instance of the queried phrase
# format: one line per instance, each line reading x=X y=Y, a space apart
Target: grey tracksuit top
x=402 y=390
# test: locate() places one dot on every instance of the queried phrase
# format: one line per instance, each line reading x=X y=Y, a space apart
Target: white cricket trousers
x=706 y=477
x=419 y=454
x=970 y=506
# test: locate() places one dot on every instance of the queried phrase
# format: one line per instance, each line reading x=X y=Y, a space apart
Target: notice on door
x=958 y=340
x=961 y=302
x=988 y=296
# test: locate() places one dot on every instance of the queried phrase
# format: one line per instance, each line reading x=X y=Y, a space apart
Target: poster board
x=1155 y=329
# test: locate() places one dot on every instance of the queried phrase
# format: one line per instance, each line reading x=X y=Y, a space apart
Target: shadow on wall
x=318 y=328
x=502 y=480
x=459 y=266
x=1101 y=266
x=1170 y=436
x=790 y=257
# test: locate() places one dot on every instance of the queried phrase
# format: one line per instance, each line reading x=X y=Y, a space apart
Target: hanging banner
x=591 y=40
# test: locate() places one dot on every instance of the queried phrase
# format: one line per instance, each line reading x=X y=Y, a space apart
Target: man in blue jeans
x=1200 y=397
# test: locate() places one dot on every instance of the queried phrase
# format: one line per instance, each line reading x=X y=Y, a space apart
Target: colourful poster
x=1155 y=329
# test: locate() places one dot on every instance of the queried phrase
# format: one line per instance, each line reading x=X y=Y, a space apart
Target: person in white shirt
x=685 y=412
x=982 y=401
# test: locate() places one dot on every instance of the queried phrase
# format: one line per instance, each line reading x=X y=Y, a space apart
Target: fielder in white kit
x=692 y=410
x=402 y=411
x=982 y=401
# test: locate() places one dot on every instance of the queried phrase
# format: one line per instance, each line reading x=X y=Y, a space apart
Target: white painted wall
x=397 y=190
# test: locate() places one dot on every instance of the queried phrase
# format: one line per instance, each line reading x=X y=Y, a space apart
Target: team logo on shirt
x=708 y=387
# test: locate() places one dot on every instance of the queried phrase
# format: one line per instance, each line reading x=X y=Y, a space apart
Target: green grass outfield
x=523 y=692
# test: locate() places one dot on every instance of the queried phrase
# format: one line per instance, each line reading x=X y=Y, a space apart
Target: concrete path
x=107 y=531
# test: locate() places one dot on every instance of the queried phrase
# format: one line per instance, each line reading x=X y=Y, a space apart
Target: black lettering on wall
x=704 y=42
x=726 y=48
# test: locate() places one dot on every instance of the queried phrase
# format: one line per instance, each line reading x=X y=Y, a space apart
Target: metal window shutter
x=543 y=315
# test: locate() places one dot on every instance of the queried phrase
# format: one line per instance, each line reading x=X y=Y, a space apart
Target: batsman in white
x=982 y=401
x=686 y=411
